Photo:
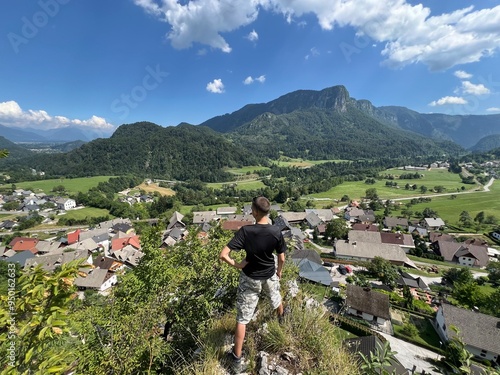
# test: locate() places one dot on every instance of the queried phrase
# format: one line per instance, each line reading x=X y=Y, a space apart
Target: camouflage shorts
x=248 y=295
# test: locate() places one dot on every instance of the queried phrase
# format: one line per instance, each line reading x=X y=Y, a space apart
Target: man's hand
x=278 y=273
x=241 y=264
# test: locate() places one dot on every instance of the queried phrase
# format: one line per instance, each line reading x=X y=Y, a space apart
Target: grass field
x=301 y=163
x=86 y=212
x=449 y=209
x=72 y=185
x=435 y=177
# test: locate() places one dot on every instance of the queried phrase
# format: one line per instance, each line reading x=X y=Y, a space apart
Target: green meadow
x=83 y=213
x=436 y=177
x=72 y=185
x=249 y=169
x=449 y=209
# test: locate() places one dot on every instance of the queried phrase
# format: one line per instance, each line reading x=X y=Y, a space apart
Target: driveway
x=409 y=355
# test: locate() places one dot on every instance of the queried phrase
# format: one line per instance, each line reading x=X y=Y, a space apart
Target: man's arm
x=224 y=256
x=281 y=262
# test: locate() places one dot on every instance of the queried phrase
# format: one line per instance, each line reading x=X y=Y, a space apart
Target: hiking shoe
x=235 y=363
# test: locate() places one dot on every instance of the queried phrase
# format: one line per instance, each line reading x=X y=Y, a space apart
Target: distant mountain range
x=68 y=134
x=326 y=124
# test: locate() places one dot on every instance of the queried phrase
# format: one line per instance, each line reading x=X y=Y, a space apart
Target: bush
x=409 y=330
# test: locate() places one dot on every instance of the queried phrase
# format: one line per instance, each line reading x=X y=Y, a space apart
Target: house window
x=444 y=327
x=359 y=312
x=483 y=351
x=483 y=355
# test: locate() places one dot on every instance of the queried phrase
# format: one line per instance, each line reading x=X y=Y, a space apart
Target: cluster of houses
x=30 y=202
x=113 y=246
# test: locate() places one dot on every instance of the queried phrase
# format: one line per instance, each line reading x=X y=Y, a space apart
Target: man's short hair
x=261 y=204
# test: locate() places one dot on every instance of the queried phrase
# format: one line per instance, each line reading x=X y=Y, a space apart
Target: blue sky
x=96 y=64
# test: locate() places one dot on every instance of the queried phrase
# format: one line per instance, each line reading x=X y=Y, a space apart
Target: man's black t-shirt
x=259 y=242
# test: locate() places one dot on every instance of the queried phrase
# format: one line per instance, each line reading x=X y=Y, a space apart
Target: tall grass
x=306 y=335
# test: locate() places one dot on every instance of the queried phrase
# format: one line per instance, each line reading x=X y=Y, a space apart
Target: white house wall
x=482 y=353
x=466 y=261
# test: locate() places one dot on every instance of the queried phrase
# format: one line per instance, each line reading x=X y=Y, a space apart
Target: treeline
x=184 y=152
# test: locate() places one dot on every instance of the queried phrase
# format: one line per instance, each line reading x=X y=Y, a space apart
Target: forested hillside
x=146 y=149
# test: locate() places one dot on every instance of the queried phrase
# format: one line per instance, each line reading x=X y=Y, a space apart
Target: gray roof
x=50 y=247
x=294 y=216
x=49 y=262
x=226 y=210
x=307 y=254
x=434 y=222
x=313 y=219
x=368 y=301
x=200 y=217
x=392 y=222
x=176 y=218
x=370 y=250
x=94 y=279
x=98 y=232
x=88 y=244
x=110 y=223
x=313 y=271
x=324 y=214
x=20 y=257
x=364 y=236
x=479 y=330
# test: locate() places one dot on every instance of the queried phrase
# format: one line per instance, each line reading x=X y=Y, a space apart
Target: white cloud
x=12 y=115
x=410 y=33
x=253 y=36
x=448 y=100
x=493 y=109
x=462 y=75
x=216 y=86
x=471 y=88
x=313 y=52
x=249 y=80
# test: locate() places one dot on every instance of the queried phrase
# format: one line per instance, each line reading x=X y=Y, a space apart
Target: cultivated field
x=153 y=187
x=72 y=185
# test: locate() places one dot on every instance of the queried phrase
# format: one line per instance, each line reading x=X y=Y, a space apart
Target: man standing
x=258 y=270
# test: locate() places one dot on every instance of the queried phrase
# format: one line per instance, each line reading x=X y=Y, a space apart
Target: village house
x=202 y=217
x=462 y=253
x=50 y=261
x=369 y=305
x=479 y=332
x=395 y=222
x=366 y=251
x=65 y=203
x=403 y=240
x=433 y=223
x=225 y=211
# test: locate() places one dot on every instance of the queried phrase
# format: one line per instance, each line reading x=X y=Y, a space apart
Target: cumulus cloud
x=462 y=75
x=249 y=80
x=12 y=115
x=216 y=86
x=410 y=33
x=473 y=89
x=448 y=100
x=493 y=109
x=253 y=36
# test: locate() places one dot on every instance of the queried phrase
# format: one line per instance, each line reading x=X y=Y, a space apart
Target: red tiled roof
x=24 y=243
x=120 y=243
x=73 y=237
